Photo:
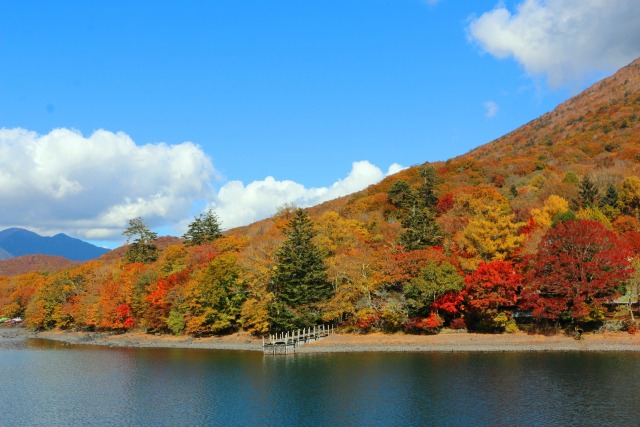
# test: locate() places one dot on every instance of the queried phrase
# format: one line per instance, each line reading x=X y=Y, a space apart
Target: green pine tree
x=422 y=231
x=417 y=207
x=141 y=242
x=610 y=197
x=401 y=195
x=204 y=229
x=429 y=185
x=300 y=278
x=588 y=193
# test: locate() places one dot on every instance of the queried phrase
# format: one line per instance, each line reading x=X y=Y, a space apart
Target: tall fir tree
x=588 y=193
x=422 y=231
x=204 y=229
x=418 y=210
x=299 y=281
x=401 y=195
x=610 y=197
x=429 y=185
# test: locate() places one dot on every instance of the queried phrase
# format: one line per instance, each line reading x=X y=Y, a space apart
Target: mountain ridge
x=18 y=242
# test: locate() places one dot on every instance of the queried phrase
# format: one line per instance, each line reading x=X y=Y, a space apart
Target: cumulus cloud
x=395 y=168
x=237 y=204
x=91 y=186
x=562 y=40
x=490 y=109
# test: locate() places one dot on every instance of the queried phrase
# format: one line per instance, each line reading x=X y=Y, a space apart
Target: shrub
x=511 y=326
x=500 y=321
x=366 y=319
x=429 y=324
x=458 y=323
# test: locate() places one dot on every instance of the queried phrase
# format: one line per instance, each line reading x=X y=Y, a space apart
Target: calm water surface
x=48 y=383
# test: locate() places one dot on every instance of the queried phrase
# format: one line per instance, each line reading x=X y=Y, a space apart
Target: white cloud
x=237 y=204
x=395 y=168
x=490 y=109
x=563 y=40
x=90 y=187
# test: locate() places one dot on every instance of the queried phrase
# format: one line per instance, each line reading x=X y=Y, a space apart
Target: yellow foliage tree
x=353 y=266
x=213 y=298
x=629 y=196
x=491 y=234
x=554 y=205
x=256 y=269
x=595 y=214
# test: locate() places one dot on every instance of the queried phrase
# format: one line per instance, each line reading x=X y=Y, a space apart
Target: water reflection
x=48 y=383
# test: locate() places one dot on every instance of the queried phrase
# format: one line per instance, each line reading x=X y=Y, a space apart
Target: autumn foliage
x=579 y=267
x=543 y=222
x=491 y=292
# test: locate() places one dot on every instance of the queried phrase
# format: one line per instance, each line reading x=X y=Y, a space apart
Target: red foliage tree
x=632 y=238
x=123 y=316
x=449 y=303
x=528 y=229
x=161 y=298
x=445 y=203
x=577 y=269
x=493 y=286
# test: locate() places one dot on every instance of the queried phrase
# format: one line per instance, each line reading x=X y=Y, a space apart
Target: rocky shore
x=350 y=343
x=144 y=340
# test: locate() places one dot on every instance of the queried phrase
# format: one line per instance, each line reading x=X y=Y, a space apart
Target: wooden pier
x=287 y=342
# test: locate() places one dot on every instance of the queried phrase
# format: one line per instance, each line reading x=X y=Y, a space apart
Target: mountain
x=595 y=133
x=591 y=132
x=17 y=242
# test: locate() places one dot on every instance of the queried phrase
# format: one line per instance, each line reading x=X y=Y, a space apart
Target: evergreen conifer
x=204 y=229
x=299 y=281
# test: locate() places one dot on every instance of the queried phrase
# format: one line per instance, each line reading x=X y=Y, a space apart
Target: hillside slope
x=595 y=133
x=16 y=266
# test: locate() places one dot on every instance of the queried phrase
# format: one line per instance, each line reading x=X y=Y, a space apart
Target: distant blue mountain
x=17 y=242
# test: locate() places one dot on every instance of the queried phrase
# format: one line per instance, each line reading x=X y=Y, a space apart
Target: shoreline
x=472 y=342
x=351 y=343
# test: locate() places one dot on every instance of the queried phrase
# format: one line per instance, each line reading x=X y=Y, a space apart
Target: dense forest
x=540 y=228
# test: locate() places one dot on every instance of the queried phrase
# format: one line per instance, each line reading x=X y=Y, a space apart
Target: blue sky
x=116 y=109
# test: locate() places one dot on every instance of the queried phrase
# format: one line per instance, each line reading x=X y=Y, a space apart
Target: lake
x=50 y=383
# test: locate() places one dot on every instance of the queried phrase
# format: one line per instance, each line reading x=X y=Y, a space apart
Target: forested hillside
x=540 y=226
x=15 y=266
